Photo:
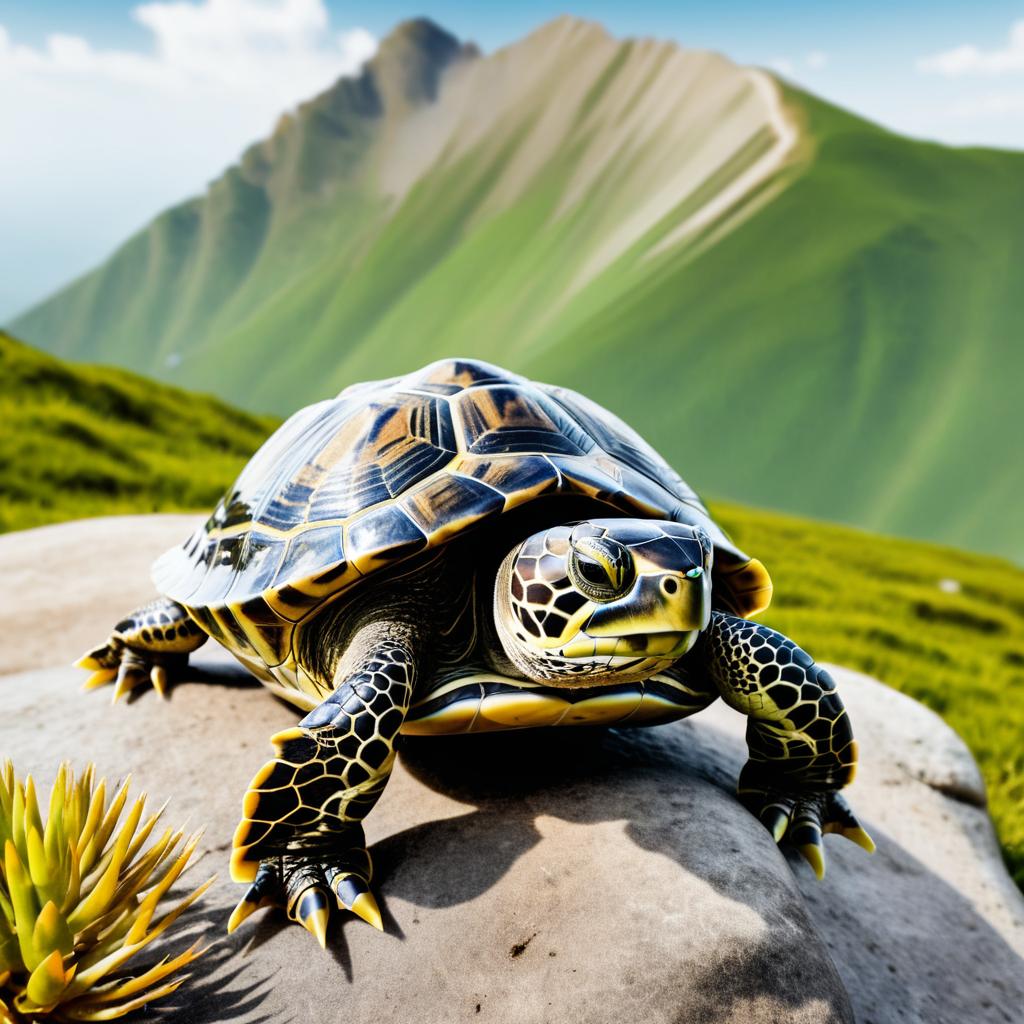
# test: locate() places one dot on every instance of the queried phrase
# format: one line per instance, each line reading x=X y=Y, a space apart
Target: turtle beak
x=659 y=603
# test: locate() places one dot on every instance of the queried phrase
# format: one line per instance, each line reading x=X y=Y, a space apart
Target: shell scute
x=449 y=504
x=503 y=419
x=519 y=480
x=621 y=441
x=382 y=536
x=313 y=554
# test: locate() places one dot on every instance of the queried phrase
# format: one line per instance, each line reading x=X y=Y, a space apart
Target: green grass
x=81 y=441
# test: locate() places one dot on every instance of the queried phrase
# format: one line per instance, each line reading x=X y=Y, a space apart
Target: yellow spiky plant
x=78 y=896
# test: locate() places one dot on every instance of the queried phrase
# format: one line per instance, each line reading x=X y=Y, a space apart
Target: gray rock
x=592 y=876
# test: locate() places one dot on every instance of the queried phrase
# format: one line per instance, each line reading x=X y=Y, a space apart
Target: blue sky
x=116 y=109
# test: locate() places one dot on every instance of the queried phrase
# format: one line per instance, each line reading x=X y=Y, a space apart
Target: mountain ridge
x=627 y=218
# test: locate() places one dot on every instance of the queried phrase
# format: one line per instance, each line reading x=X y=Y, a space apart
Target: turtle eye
x=695 y=573
x=601 y=568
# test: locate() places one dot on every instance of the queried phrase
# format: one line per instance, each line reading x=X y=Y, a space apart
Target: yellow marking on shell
x=655 y=709
x=255 y=635
x=513 y=499
x=854 y=758
x=605 y=709
x=219 y=532
x=455 y=718
x=479 y=677
x=257 y=668
x=261 y=776
x=511 y=711
x=458 y=428
x=522 y=710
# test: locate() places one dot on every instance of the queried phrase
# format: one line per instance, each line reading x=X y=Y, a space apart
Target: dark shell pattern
x=351 y=486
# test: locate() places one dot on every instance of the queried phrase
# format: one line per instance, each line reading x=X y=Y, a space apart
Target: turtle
x=460 y=550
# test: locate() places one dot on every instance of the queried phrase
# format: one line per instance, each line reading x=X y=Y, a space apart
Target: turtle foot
x=802 y=820
x=128 y=668
x=306 y=887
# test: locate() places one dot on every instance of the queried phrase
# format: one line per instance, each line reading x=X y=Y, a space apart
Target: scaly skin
x=301 y=835
x=801 y=745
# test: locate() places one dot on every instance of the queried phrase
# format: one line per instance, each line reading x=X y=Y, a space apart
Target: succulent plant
x=79 y=897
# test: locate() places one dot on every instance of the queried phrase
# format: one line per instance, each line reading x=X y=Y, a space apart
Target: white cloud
x=995 y=104
x=105 y=138
x=240 y=48
x=783 y=65
x=816 y=60
x=970 y=60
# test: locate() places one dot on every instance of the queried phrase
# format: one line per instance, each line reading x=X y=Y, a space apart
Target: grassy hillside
x=83 y=441
x=835 y=337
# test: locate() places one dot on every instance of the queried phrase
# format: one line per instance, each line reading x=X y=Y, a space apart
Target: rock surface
x=592 y=876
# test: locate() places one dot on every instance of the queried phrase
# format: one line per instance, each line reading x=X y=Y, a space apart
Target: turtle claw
x=128 y=668
x=130 y=674
x=158 y=677
x=98 y=678
x=312 y=910
x=802 y=820
x=304 y=885
x=814 y=854
x=776 y=816
x=859 y=836
x=245 y=909
x=354 y=894
x=262 y=893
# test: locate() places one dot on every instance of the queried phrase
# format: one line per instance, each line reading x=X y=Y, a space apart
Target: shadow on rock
x=219 y=987
x=674 y=789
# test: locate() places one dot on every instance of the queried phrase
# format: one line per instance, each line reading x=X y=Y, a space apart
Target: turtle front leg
x=300 y=837
x=801 y=745
x=151 y=643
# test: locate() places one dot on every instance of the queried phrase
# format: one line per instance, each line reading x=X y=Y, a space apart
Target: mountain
x=799 y=308
x=86 y=440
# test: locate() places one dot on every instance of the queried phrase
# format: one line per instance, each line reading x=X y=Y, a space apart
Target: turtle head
x=603 y=601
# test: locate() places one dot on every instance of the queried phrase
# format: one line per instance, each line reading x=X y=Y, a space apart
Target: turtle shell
x=352 y=486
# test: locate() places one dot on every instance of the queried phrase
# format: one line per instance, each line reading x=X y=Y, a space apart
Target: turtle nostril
x=670 y=585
